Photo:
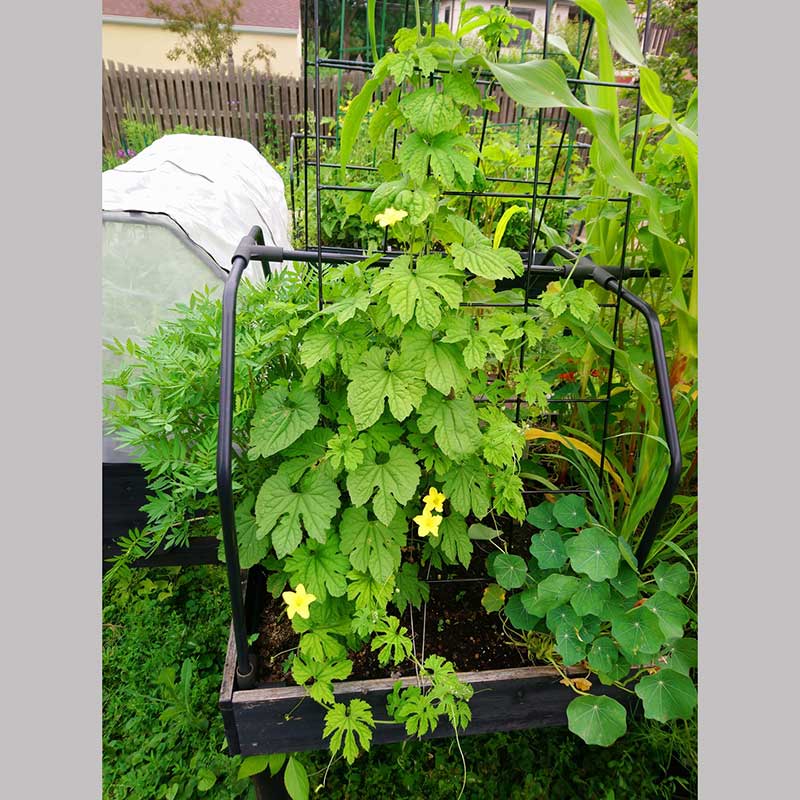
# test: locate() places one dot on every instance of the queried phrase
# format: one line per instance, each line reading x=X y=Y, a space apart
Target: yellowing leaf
x=570 y=441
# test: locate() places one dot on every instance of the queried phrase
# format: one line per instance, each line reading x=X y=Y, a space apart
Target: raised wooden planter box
x=124 y=493
x=282 y=719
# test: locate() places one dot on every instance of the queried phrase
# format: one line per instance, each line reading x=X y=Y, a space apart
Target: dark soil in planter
x=453 y=625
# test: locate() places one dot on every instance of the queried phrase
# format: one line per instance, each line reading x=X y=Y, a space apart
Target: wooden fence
x=243 y=104
x=232 y=102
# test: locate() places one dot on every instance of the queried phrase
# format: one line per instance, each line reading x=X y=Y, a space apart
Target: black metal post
x=608 y=281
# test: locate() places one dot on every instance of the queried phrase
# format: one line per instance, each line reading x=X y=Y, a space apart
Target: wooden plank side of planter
x=504 y=700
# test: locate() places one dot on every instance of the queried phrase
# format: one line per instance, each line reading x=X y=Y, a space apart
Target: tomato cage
x=262 y=719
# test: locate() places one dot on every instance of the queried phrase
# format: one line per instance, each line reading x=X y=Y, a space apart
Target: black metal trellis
x=537 y=266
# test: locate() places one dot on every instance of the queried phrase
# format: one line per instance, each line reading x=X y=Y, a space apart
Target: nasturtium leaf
x=589 y=628
x=596 y=719
x=510 y=571
x=280 y=510
x=420 y=292
x=562 y=616
x=372 y=382
x=594 y=553
x=372 y=547
x=568 y=644
x=454 y=540
x=590 y=597
x=671 y=613
x=394 y=482
x=682 y=655
x=466 y=486
x=638 y=632
x=626 y=581
x=430 y=112
x=494 y=597
x=542 y=516
x=603 y=655
x=553 y=591
x=672 y=578
x=455 y=423
x=281 y=417
x=442 y=363
x=570 y=511
x=548 y=549
x=518 y=615
x=321 y=568
x=667 y=695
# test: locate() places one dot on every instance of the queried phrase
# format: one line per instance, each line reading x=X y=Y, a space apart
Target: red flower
x=569 y=377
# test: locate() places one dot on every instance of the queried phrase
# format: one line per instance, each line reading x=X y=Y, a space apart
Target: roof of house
x=257 y=13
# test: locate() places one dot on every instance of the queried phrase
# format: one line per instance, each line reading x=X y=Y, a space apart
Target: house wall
x=145 y=44
x=558 y=11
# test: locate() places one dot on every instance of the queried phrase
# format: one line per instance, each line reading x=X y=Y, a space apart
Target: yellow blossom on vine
x=434 y=500
x=297 y=602
x=389 y=216
x=428 y=523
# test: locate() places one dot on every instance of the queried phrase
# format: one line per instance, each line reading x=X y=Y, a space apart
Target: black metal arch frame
x=537 y=265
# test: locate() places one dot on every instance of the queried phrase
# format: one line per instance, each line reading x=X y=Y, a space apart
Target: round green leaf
x=594 y=553
x=626 y=581
x=517 y=614
x=596 y=719
x=553 y=591
x=542 y=516
x=638 y=632
x=548 y=549
x=510 y=571
x=683 y=655
x=590 y=597
x=494 y=597
x=603 y=655
x=562 y=616
x=672 y=578
x=568 y=644
x=667 y=695
x=570 y=511
x=671 y=613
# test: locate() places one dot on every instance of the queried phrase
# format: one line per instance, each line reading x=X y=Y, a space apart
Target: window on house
x=524 y=37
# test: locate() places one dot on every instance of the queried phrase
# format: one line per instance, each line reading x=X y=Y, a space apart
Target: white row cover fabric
x=172 y=218
x=214 y=187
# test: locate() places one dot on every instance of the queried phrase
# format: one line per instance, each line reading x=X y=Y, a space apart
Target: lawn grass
x=164 y=637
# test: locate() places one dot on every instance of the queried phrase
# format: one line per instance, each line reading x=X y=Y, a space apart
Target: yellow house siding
x=147 y=44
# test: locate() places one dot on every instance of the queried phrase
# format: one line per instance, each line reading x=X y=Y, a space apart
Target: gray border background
x=50 y=390
x=748 y=427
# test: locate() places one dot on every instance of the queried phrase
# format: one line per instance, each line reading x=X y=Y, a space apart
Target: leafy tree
x=205 y=29
x=206 y=32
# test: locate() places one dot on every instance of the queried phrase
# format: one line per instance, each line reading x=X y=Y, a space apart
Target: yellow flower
x=389 y=216
x=428 y=523
x=298 y=602
x=434 y=500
